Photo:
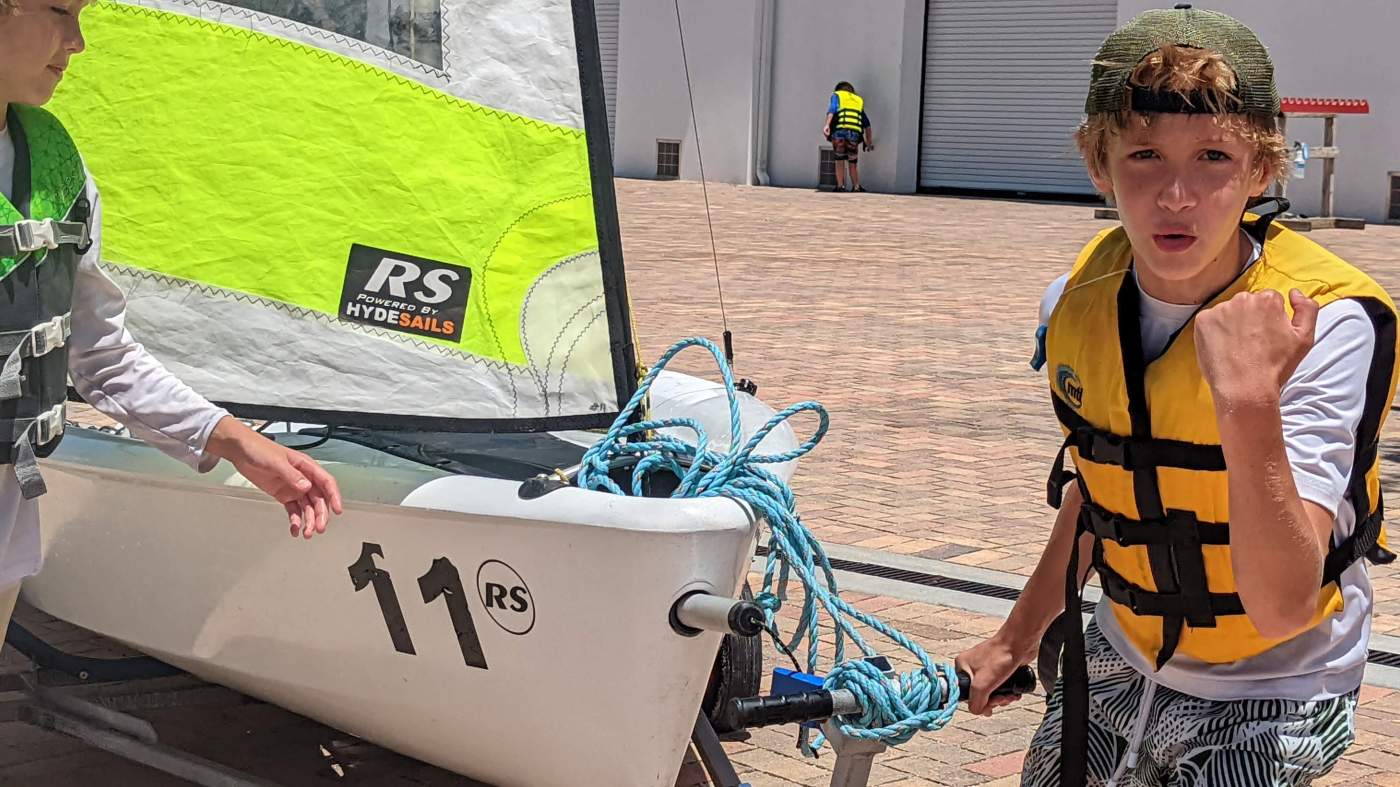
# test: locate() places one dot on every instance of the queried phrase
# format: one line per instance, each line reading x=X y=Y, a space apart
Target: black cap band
x=1146 y=100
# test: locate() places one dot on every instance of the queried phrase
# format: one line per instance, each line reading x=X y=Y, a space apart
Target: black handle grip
x=752 y=712
x=818 y=705
x=1022 y=681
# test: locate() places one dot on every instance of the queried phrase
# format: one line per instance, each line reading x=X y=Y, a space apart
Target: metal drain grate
x=1383 y=658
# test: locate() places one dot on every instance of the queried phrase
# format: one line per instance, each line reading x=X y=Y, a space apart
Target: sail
x=388 y=213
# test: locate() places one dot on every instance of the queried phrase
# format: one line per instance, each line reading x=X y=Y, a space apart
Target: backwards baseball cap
x=1183 y=26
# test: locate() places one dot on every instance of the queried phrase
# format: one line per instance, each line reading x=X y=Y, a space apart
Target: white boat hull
x=584 y=682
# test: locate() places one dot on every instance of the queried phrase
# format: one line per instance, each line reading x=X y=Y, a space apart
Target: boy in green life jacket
x=61 y=317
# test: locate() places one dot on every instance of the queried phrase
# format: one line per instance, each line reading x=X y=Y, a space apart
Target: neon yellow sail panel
x=310 y=217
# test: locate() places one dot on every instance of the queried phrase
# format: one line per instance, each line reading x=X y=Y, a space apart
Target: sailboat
x=391 y=233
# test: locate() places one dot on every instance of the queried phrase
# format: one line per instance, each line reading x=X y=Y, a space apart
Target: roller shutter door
x=1004 y=87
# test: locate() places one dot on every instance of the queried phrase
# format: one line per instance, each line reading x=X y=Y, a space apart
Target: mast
x=600 y=165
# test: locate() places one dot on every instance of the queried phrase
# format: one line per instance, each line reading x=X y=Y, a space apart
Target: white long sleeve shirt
x=113 y=373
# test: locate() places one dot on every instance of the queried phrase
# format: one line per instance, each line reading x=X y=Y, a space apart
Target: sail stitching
x=533 y=365
x=298 y=311
x=549 y=362
x=352 y=63
x=443 y=44
x=559 y=392
x=485 y=268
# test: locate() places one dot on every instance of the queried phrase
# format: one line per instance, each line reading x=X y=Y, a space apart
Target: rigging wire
x=704 y=189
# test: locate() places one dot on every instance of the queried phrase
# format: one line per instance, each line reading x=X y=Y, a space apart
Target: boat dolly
x=797 y=698
x=56 y=697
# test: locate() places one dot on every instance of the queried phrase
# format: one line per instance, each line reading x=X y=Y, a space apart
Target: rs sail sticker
x=404 y=293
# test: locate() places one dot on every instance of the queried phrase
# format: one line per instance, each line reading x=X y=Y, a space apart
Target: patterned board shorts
x=1187 y=741
x=845 y=145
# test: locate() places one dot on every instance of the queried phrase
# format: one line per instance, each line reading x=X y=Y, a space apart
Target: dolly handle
x=823 y=704
x=816 y=705
x=1022 y=681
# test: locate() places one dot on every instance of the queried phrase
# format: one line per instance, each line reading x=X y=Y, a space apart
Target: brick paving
x=910 y=318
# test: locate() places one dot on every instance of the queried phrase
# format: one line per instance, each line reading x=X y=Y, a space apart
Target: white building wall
x=652 y=102
x=1331 y=50
x=1340 y=50
x=876 y=46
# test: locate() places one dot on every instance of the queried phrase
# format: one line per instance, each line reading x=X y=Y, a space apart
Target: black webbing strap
x=1146 y=602
x=1059 y=477
x=1259 y=228
x=1362 y=543
x=1068 y=633
x=1134 y=453
x=1167 y=574
x=1364 y=540
x=1127 y=532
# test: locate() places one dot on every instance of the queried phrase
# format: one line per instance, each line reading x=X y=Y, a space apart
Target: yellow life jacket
x=848 y=112
x=1147 y=449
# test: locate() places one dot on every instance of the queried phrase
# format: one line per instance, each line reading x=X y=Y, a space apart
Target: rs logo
x=506 y=597
x=398 y=273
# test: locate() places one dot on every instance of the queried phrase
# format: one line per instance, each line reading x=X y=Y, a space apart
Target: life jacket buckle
x=49 y=425
x=1130 y=593
x=31 y=235
x=51 y=335
x=1104 y=448
x=1113 y=525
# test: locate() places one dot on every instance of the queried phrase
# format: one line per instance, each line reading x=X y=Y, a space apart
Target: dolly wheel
x=737 y=673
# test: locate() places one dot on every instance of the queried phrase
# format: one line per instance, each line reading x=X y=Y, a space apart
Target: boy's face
x=37 y=38
x=1181 y=185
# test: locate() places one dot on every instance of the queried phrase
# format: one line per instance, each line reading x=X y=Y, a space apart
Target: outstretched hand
x=308 y=493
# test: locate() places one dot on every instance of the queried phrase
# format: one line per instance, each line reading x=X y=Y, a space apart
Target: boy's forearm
x=1043 y=598
x=1276 y=544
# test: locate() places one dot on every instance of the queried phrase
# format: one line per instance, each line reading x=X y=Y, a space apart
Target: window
x=826 y=169
x=1394 y=213
x=412 y=28
x=668 y=158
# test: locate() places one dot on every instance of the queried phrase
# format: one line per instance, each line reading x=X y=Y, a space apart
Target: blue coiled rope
x=925 y=699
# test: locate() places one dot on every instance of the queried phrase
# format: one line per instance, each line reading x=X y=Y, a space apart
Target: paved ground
x=910 y=318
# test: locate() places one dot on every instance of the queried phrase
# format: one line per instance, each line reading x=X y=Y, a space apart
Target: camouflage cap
x=1109 y=90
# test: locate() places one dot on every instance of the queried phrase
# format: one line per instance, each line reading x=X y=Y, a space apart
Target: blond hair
x=1193 y=74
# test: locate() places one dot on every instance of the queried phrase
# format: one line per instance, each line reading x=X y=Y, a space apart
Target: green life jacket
x=44 y=229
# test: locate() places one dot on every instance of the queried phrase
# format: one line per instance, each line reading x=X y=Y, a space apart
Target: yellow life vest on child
x=848 y=112
x=1147 y=450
